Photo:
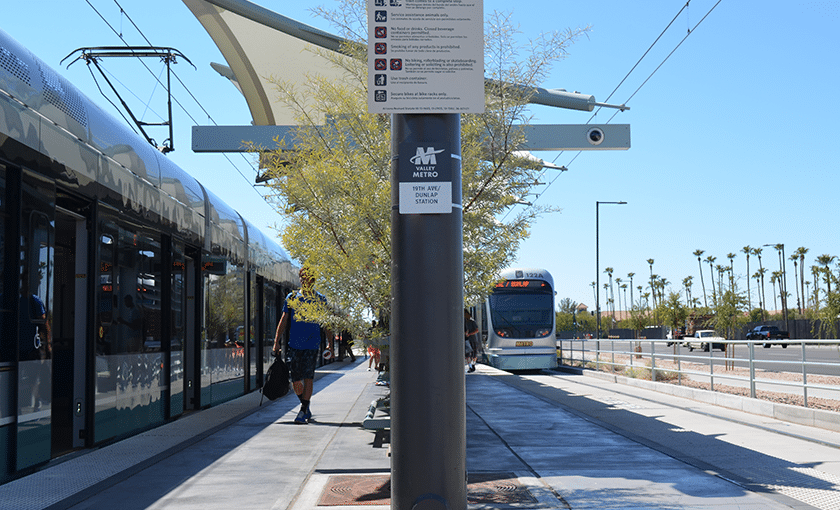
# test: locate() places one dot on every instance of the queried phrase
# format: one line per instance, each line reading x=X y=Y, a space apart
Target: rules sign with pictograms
x=425 y=56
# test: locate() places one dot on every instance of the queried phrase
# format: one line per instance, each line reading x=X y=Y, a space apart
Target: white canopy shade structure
x=258 y=44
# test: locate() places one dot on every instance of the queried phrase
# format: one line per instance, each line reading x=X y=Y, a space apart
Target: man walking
x=304 y=340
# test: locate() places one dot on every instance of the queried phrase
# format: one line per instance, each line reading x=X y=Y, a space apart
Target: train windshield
x=522 y=309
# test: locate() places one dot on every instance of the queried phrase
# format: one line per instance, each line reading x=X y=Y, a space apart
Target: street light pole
x=598 y=268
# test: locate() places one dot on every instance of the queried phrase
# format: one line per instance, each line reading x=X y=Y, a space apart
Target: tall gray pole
x=597 y=279
x=428 y=418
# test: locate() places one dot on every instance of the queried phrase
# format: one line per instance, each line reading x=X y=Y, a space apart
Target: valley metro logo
x=425 y=157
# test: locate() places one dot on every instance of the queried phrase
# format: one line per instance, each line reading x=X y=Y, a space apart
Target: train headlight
x=503 y=333
x=543 y=332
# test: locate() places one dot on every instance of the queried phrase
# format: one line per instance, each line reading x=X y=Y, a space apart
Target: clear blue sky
x=734 y=139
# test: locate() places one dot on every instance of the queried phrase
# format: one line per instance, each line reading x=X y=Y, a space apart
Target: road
x=822 y=359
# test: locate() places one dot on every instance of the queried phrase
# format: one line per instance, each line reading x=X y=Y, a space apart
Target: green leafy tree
x=639 y=318
x=729 y=313
x=333 y=189
x=673 y=312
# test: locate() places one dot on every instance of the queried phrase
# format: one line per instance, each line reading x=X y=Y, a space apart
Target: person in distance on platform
x=471 y=344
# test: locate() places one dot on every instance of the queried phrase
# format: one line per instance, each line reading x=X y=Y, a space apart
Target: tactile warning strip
x=482 y=489
x=809 y=485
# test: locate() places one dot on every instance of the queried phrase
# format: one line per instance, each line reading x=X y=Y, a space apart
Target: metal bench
x=381 y=424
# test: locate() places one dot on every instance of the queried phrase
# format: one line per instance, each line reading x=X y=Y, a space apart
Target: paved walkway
x=540 y=441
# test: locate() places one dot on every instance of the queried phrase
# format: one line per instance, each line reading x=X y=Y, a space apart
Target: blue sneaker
x=308 y=415
x=301 y=418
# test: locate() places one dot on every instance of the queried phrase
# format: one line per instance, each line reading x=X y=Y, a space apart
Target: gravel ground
x=641 y=369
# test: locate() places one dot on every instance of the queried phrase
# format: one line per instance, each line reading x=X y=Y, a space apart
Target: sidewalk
x=540 y=441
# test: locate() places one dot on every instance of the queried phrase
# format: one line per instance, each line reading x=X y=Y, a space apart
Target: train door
x=69 y=326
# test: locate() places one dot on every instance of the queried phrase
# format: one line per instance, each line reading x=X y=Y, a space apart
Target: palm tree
x=618 y=283
x=711 y=260
x=698 y=253
x=774 y=277
x=826 y=261
x=795 y=258
x=607 y=295
x=801 y=251
x=721 y=269
x=650 y=263
x=653 y=294
x=815 y=273
x=610 y=297
x=782 y=279
x=761 y=271
x=731 y=257
x=687 y=284
x=747 y=250
x=631 y=275
x=594 y=291
x=625 y=296
x=758 y=278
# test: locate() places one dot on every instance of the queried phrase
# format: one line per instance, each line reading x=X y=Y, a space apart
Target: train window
x=177 y=328
x=224 y=332
x=6 y=298
x=270 y=321
x=36 y=270
x=128 y=328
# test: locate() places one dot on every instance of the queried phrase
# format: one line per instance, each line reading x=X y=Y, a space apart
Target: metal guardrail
x=671 y=357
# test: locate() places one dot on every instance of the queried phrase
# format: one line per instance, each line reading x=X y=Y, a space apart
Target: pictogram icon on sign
x=380 y=96
x=380 y=16
x=380 y=80
x=380 y=32
x=380 y=64
x=380 y=48
x=396 y=64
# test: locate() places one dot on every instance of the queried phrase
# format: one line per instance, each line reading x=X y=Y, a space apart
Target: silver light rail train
x=129 y=293
x=521 y=321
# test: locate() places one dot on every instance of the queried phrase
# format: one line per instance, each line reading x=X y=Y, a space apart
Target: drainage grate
x=497 y=489
x=482 y=489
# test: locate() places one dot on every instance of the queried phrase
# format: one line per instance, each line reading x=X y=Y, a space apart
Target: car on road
x=768 y=333
x=705 y=338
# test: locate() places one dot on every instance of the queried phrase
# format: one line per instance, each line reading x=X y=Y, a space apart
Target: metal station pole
x=428 y=418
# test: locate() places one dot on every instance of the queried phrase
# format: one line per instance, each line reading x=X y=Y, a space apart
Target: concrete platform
x=536 y=441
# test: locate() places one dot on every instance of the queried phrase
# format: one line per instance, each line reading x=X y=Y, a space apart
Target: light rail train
x=521 y=321
x=129 y=293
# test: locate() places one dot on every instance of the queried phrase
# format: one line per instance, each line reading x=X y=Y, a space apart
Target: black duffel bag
x=276 y=380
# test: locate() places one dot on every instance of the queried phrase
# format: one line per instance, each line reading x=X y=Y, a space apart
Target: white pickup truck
x=703 y=338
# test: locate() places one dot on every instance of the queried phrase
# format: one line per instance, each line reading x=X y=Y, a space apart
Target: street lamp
x=597 y=267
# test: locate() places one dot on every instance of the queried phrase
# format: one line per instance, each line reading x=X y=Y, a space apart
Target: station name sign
x=425 y=56
x=425 y=177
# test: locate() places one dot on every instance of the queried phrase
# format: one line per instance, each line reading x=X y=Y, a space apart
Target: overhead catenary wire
x=689 y=32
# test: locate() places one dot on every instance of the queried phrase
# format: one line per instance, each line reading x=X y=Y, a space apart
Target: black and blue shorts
x=302 y=363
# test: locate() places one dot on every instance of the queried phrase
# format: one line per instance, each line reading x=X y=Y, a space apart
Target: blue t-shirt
x=303 y=335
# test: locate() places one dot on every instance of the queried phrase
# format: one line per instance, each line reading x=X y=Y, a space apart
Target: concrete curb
x=819 y=418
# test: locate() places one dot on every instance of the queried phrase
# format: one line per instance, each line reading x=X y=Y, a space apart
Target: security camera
x=595 y=136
